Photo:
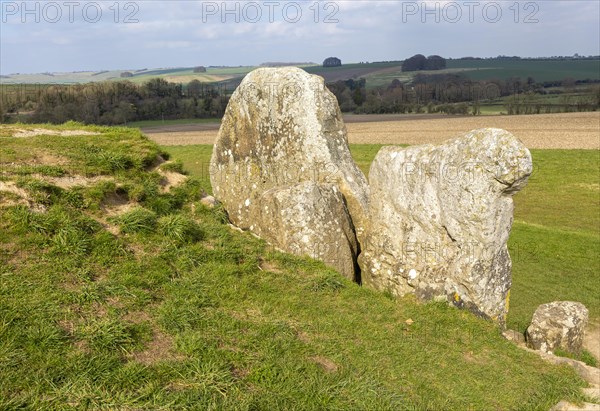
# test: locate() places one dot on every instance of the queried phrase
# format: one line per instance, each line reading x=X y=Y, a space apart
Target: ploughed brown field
x=565 y=130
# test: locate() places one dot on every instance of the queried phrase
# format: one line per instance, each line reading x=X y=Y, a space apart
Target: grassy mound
x=119 y=290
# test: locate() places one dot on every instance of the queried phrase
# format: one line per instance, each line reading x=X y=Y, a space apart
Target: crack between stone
x=448 y=234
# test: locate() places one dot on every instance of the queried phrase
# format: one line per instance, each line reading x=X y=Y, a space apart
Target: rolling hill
x=377 y=74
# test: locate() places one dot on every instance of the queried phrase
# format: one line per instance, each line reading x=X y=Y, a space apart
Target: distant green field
x=539 y=70
x=157 y=123
x=377 y=74
x=555 y=240
x=185 y=74
x=580 y=94
x=497 y=69
x=382 y=74
x=61 y=78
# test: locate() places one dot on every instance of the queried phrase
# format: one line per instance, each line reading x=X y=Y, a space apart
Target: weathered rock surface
x=283 y=127
x=440 y=217
x=559 y=324
x=592 y=392
x=567 y=406
x=209 y=201
x=310 y=219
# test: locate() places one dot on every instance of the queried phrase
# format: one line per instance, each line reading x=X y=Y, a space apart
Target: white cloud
x=364 y=31
x=169 y=45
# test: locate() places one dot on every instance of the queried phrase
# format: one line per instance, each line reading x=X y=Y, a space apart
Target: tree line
x=111 y=103
x=114 y=103
x=457 y=94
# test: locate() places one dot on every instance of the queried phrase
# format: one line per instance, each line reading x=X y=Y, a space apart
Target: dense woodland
x=120 y=102
x=110 y=103
x=456 y=94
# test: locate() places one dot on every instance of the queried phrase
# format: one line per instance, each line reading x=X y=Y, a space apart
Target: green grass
x=178 y=311
x=539 y=70
x=120 y=149
x=157 y=123
x=556 y=238
x=492 y=109
x=364 y=154
x=139 y=220
x=196 y=161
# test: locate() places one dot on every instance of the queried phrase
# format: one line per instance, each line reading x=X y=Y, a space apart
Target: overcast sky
x=73 y=35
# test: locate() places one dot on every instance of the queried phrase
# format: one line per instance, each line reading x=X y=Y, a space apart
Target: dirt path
x=568 y=130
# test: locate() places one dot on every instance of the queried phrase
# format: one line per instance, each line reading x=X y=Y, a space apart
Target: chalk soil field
x=566 y=130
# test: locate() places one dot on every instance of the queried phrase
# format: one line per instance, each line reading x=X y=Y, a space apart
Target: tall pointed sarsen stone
x=283 y=127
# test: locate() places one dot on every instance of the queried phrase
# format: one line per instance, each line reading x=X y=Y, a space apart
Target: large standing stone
x=283 y=127
x=559 y=324
x=440 y=217
x=310 y=219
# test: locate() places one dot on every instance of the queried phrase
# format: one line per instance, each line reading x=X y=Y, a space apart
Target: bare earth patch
x=161 y=346
x=46 y=158
x=183 y=138
x=20 y=197
x=544 y=131
x=11 y=187
x=74 y=181
x=170 y=179
x=157 y=350
x=22 y=133
x=327 y=365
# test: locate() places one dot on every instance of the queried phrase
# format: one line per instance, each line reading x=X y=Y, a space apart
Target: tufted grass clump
x=106 y=334
x=138 y=220
x=45 y=170
x=329 y=281
x=71 y=241
x=40 y=191
x=179 y=228
x=174 y=166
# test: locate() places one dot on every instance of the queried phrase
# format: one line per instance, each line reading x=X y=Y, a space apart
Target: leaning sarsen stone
x=282 y=126
x=440 y=217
